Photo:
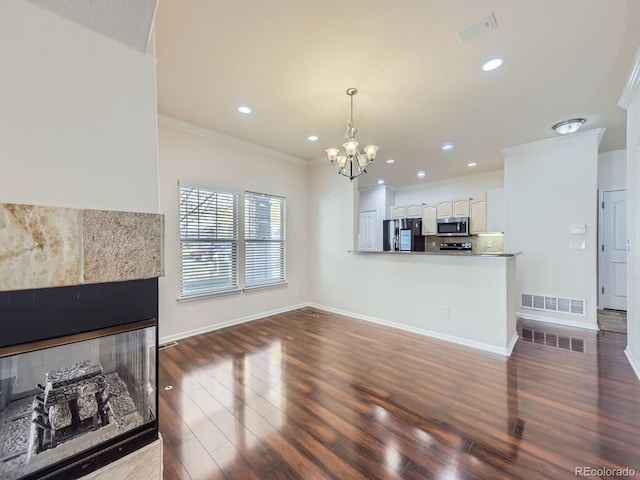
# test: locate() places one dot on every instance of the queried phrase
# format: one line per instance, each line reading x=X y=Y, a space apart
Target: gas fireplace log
x=40 y=411
x=41 y=425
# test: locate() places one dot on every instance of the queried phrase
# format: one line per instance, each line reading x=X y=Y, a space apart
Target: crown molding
x=319 y=161
x=550 y=142
x=228 y=139
x=631 y=85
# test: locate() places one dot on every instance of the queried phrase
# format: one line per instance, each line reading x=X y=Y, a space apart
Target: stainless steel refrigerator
x=402 y=234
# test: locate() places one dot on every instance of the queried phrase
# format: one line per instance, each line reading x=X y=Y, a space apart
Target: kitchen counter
x=450 y=253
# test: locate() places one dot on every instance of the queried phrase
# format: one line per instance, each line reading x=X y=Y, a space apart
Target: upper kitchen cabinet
x=398 y=212
x=428 y=220
x=478 y=217
x=444 y=209
x=495 y=210
x=414 y=211
x=461 y=208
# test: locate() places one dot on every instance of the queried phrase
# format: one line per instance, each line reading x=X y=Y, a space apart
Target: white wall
x=612 y=170
x=213 y=159
x=633 y=229
x=469 y=186
x=404 y=290
x=77 y=115
x=550 y=185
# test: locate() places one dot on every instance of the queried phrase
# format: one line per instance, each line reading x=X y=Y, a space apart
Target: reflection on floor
x=311 y=394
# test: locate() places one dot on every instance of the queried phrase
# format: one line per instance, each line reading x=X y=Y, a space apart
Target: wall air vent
x=572 y=306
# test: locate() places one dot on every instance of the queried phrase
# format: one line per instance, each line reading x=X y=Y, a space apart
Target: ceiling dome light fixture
x=569 y=126
x=312 y=138
x=244 y=109
x=390 y=161
x=380 y=182
x=447 y=146
x=492 y=64
x=350 y=162
x=421 y=174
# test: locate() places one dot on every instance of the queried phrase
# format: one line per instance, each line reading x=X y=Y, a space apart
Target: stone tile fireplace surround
x=114 y=256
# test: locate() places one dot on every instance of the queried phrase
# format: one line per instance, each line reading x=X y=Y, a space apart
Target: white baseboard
x=512 y=344
x=428 y=333
x=558 y=321
x=632 y=360
x=230 y=323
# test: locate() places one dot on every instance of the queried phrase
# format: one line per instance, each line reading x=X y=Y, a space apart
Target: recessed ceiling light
x=312 y=138
x=391 y=160
x=447 y=146
x=472 y=164
x=421 y=174
x=244 y=109
x=492 y=64
x=380 y=182
x=569 y=126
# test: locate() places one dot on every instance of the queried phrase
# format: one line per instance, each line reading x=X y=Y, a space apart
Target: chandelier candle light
x=350 y=162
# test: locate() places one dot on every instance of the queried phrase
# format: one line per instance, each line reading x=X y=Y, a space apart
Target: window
x=208 y=240
x=264 y=235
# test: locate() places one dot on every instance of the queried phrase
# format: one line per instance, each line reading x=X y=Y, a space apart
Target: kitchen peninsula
x=463 y=297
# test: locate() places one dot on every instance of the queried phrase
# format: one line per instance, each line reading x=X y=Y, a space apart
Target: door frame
x=601 y=238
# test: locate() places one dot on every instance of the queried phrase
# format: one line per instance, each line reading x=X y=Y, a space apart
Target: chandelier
x=350 y=162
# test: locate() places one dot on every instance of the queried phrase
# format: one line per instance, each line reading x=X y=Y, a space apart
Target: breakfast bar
x=463 y=297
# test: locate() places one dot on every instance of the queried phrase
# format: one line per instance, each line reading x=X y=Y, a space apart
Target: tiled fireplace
x=78 y=338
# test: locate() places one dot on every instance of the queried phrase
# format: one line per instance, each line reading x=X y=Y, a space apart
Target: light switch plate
x=577 y=244
x=578 y=229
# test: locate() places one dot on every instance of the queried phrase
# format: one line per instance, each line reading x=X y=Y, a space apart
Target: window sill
x=265 y=287
x=204 y=296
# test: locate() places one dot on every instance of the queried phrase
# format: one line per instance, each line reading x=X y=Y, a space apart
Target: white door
x=368 y=231
x=613 y=250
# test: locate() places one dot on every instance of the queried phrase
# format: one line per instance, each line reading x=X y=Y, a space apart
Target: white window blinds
x=208 y=240
x=264 y=234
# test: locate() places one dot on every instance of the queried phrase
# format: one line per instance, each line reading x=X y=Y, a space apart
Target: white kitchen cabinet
x=398 y=212
x=428 y=220
x=414 y=211
x=444 y=209
x=478 y=217
x=461 y=208
x=495 y=210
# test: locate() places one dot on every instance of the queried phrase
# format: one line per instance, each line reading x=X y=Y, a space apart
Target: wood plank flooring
x=313 y=395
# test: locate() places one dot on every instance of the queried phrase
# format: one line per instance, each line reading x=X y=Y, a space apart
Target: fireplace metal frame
x=102 y=310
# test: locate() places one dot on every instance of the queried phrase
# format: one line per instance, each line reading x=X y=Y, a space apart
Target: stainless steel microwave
x=453 y=227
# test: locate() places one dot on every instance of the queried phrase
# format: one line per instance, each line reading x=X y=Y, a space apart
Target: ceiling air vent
x=478 y=27
x=572 y=306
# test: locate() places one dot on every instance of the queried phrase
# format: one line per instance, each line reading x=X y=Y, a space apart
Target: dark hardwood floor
x=314 y=395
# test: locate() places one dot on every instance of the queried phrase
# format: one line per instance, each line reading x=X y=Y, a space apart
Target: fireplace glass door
x=75 y=396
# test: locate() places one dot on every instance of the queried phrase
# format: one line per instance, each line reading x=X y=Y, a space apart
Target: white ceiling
x=419 y=85
x=127 y=21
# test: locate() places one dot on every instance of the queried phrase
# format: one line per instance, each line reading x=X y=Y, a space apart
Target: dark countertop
x=449 y=253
